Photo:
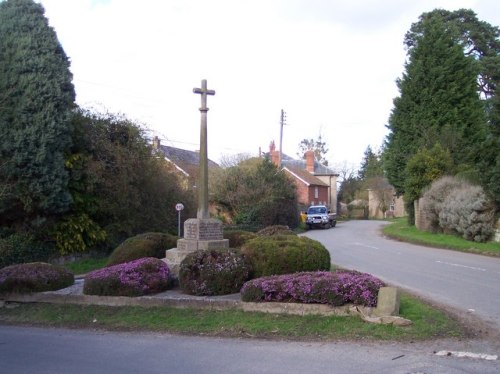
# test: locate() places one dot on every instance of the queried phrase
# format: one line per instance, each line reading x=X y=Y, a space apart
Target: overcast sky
x=331 y=65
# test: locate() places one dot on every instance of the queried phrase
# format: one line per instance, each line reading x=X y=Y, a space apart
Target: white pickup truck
x=320 y=216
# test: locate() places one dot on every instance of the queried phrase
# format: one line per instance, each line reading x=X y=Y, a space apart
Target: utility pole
x=282 y=122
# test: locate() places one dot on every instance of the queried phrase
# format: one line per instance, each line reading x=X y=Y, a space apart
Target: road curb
x=186 y=301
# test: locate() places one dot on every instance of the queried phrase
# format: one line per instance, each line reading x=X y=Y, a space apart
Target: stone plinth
x=203 y=229
x=387 y=302
x=198 y=234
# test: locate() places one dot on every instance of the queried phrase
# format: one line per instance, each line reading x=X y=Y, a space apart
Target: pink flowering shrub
x=34 y=277
x=136 y=278
x=337 y=288
x=213 y=272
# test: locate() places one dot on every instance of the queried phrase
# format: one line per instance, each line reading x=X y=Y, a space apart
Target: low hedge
x=151 y=244
x=336 y=288
x=136 y=278
x=20 y=248
x=275 y=230
x=34 y=277
x=238 y=237
x=284 y=254
x=213 y=272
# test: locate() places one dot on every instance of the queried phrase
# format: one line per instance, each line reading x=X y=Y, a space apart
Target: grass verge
x=400 y=230
x=428 y=322
x=86 y=265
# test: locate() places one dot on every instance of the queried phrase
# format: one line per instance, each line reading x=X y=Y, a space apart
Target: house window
x=316 y=192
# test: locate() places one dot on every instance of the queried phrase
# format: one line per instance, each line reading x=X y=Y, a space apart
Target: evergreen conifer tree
x=36 y=99
x=438 y=103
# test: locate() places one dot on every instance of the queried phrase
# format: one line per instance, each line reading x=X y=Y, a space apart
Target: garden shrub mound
x=455 y=206
x=433 y=199
x=337 y=288
x=136 y=278
x=238 y=237
x=468 y=212
x=275 y=230
x=284 y=254
x=34 y=277
x=151 y=244
x=213 y=272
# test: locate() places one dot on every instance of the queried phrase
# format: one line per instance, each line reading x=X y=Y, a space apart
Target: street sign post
x=179 y=207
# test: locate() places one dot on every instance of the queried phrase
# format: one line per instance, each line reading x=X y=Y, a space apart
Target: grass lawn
x=399 y=229
x=428 y=323
x=86 y=265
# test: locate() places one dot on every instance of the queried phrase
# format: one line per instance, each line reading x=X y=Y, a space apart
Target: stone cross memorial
x=201 y=232
x=203 y=182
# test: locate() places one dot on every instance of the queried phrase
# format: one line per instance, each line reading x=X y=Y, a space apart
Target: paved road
x=465 y=281
x=53 y=351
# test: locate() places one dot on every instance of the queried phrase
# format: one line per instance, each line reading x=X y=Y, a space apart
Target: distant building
x=184 y=161
x=384 y=203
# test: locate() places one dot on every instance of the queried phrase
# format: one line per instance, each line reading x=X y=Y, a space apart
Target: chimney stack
x=275 y=156
x=156 y=143
x=310 y=161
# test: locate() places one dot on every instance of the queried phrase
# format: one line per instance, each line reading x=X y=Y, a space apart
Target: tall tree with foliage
x=318 y=146
x=481 y=41
x=36 y=99
x=256 y=193
x=371 y=165
x=119 y=187
x=438 y=102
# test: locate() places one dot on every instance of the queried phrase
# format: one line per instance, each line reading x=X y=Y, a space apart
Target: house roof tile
x=187 y=161
x=305 y=176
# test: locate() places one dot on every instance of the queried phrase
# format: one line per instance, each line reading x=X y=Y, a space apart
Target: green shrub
x=136 y=278
x=433 y=200
x=151 y=244
x=21 y=248
x=284 y=254
x=213 y=272
x=34 y=277
x=238 y=237
x=468 y=212
x=275 y=230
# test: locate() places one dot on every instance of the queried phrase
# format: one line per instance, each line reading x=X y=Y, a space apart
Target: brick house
x=315 y=182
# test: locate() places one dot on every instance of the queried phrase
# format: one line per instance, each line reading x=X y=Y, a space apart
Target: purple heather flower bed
x=139 y=277
x=34 y=277
x=337 y=288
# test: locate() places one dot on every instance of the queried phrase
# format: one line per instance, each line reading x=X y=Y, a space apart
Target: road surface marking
x=468 y=355
x=460 y=266
x=366 y=246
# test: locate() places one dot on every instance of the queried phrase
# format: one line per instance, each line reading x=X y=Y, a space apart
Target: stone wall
x=496 y=237
x=419 y=217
